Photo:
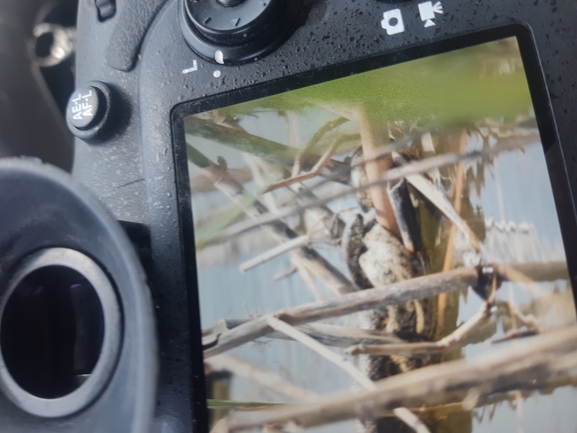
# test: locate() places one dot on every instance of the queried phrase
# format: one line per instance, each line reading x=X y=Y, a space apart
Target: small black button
x=84 y=107
x=106 y=9
x=88 y=113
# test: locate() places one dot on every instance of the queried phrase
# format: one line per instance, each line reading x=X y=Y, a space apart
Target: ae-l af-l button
x=88 y=110
x=83 y=107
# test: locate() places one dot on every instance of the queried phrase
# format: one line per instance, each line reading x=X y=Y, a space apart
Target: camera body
x=154 y=70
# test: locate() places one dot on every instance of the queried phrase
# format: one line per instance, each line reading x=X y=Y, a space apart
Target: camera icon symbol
x=393 y=22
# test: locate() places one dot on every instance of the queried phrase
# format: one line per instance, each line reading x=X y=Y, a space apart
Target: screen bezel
x=545 y=121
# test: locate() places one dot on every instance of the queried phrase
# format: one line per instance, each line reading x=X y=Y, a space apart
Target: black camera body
x=153 y=62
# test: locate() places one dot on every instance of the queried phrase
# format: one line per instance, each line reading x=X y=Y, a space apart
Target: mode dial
x=236 y=31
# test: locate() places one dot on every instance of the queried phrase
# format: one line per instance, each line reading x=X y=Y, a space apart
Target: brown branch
x=394 y=174
x=329 y=335
x=306 y=276
x=457 y=204
x=294 y=142
x=474 y=400
x=411 y=420
x=532 y=272
x=505 y=308
x=438 y=199
x=259 y=375
x=393 y=294
x=373 y=136
x=315 y=139
x=515 y=335
x=311 y=343
x=279 y=250
x=259 y=146
x=285 y=274
x=452 y=341
x=315 y=171
x=320 y=267
x=531 y=362
x=201 y=184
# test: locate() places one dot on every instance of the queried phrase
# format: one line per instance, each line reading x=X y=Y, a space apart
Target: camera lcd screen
x=380 y=246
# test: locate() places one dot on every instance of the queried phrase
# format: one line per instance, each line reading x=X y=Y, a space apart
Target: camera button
x=106 y=9
x=88 y=111
x=237 y=31
x=83 y=107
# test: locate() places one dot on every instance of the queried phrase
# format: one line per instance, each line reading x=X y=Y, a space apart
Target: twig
x=262 y=178
x=285 y=274
x=528 y=364
x=321 y=213
x=272 y=429
x=301 y=241
x=506 y=308
x=393 y=294
x=212 y=403
x=259 y=375
x=481 y=401
x=373 y=136
x=259 y=146
x=532 y=272
x=411 y=420
x=315 y=171
x=320 y=267
x=393 y=174
x=327 y=127
x=306 y=275
x=354 y=372
x=438 y=199
x=515 y=335
x=451 y=341
x=333 y=225
x=457 y=204
x=293 y=142
x=329 y=335
x=200 y=183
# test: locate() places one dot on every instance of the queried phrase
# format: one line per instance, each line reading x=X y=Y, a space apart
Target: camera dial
x=236 y=31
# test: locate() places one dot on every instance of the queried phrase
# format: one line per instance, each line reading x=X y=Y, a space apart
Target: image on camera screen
x=382 y=251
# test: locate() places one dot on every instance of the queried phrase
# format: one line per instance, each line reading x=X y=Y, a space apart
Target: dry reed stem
x=394 y=174
x=260 y=376
x=285 y=274
x=457 y=204
x=447 y=343
x=373 y=136
x=315 y=171
x=321 y=268
x=528 y=364
x=380 y=297
x=329 y=335
x=393 y=294
x=294 y=333
x=529 y=321
x=281 y=249
x=411 y=420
